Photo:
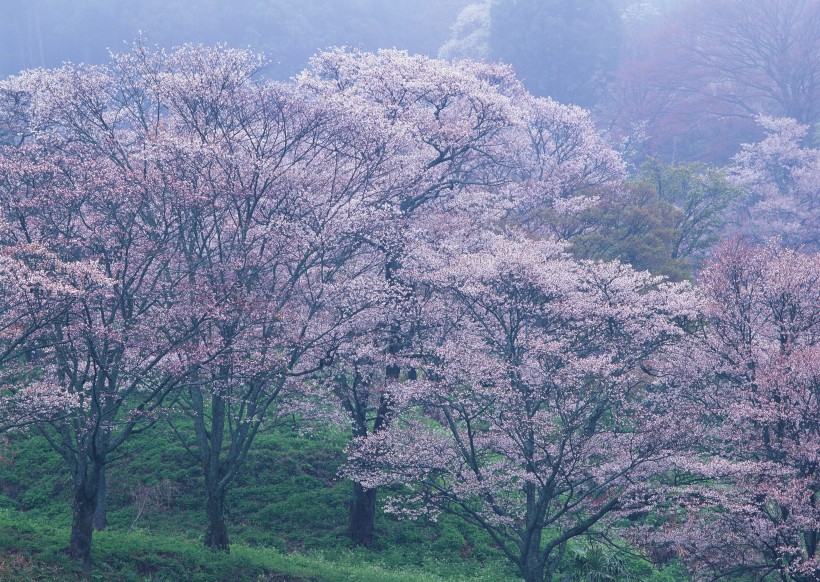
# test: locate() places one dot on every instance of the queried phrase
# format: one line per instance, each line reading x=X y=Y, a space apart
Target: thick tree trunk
x=362 y=515
x=533 y=570
x=79 y=546
x=85 y=503
x=533 y=561
x=100 y=519
x=216 y=536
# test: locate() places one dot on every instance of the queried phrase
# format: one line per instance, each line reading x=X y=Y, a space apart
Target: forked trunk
x=362 y=515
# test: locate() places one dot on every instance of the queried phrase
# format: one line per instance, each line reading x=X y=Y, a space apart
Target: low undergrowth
x=287 y=517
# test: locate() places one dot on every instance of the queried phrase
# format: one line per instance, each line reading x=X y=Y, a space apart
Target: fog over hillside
x=43 y=33
x=678 y=79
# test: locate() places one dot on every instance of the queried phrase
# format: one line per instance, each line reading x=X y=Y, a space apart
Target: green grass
x=32 y=550
x=286 y=514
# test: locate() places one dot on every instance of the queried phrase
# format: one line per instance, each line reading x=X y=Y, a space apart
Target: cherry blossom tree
x=458 y=136
x=279 y=191
x=749 y=503
x=533 y=415
x=91 y=185
x=37 y=289
x=444 y=128
x=782 y=177
x=112 y=350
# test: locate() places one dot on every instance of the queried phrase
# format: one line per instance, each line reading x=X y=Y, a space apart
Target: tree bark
x=216 y=536
x=362 y=515
x=100 y=519
x=532 y=566
x=85 y=503
x=79 y=546
x=534 y=570
x=533 y=561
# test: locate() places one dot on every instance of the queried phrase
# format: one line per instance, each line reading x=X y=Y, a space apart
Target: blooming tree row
x=179 y=233
x=235 y=234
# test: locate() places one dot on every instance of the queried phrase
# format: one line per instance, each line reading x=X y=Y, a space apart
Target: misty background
x=681 y=80
x=44 y=33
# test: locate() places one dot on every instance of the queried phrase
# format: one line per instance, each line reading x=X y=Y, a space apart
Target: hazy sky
x=36 y=33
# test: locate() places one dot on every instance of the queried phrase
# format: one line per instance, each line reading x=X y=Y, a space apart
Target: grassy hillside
x=287 y=518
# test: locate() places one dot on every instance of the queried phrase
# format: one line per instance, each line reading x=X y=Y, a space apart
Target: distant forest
x=678 y=79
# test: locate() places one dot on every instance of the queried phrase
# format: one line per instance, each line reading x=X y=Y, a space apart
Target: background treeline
x=678 y=79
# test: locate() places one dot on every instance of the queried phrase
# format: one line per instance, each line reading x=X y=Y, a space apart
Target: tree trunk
x=216 y=536
x=535 y=572
x=533 y=561
x=79 y=547
x=100 y=519
x=362 y=515
x=85 y=502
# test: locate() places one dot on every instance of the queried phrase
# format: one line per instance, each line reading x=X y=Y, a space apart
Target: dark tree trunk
x=533 y=561
x=100 y=519
x=362 y=515
x=533 y=568
x=79 y=547
x=214 y=469
x=216 y=536
x=85 y=503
